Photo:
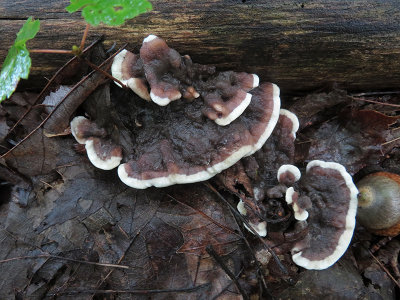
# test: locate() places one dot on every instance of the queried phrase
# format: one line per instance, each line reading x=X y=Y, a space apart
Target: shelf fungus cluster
x=326 y=199
x=195 y=121
x=323 y=201
x=102 y=152
x=278 y=150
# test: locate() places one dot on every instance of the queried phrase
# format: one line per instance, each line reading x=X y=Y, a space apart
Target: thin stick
x=64 y=258
x=207 y=217
x=260 y=275
x=223 y=291
x=118 y=262
x=376 y=102
x=55 y=51
x=391 y=141
x=197 y=270
x=135 y=291
x=85 y=33
x=384 y=269
x=103 y=72
x=375 y=93
x=210 y=250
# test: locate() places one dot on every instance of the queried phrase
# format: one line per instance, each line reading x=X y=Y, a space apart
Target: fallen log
x=301 y=46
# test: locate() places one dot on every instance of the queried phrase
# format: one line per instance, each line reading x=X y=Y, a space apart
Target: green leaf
x=109 y=12
x=17 y=63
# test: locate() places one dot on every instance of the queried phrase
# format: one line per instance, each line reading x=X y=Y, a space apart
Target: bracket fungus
x=128 y=68
x=102 y=152
x=196 y=123
x=259 y=227
x=288 y=174
x=171 y=77
x=324 y=201
x=278 y=150
x=187 y=151
x=204 y=120
x=326 y=198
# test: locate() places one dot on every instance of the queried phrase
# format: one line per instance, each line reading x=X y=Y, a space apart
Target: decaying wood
x=300 y=45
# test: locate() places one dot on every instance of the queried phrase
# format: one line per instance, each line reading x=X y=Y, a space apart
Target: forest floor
x=70 y=230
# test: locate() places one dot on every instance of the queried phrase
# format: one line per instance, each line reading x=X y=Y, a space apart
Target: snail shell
x=379 y=203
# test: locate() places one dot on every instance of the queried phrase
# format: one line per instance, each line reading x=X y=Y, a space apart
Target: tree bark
x=300 y=45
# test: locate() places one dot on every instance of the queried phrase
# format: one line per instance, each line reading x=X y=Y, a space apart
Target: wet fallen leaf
x=315 y=108
x=353 y=139
x=341 y=281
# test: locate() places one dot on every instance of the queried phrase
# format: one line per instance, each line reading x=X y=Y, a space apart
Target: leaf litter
x=78 y=220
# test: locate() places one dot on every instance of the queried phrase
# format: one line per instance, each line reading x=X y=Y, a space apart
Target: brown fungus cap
x=277 y=151
x=299 y=204
x=165 y=71
x=226 y=96
x=172 y=76
x=331 y=219
x=289 y=121
x=260 y=226
x=82 y=129
x=180 y=146
x=288 y=174
x=102 y=152
x=128 y=68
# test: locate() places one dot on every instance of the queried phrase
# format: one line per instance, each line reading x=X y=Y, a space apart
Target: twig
x=197 y=269
x=210 y=250
x=103 y=72
x=207 y=217
x=375 y=93
x=222 y=291
x=55 y=51
x=384 y=269
x=376 y=102
x=260 y=274
x=391 y=141
x=134 y=291
x=382 y=242
x=48 y=184
x=123 y=254
x=64 y=258
x=118 y=262
x=85 y=33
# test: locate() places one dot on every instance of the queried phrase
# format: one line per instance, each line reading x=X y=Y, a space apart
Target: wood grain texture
x=300 y=45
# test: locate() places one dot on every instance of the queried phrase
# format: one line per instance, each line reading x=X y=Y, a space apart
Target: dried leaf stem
x=384 y=269
x=84 y=36
x=54 y=51
x=207 y=217
x=210 y=250
x=375 y=102
x=64 y=258
x=134 y=291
